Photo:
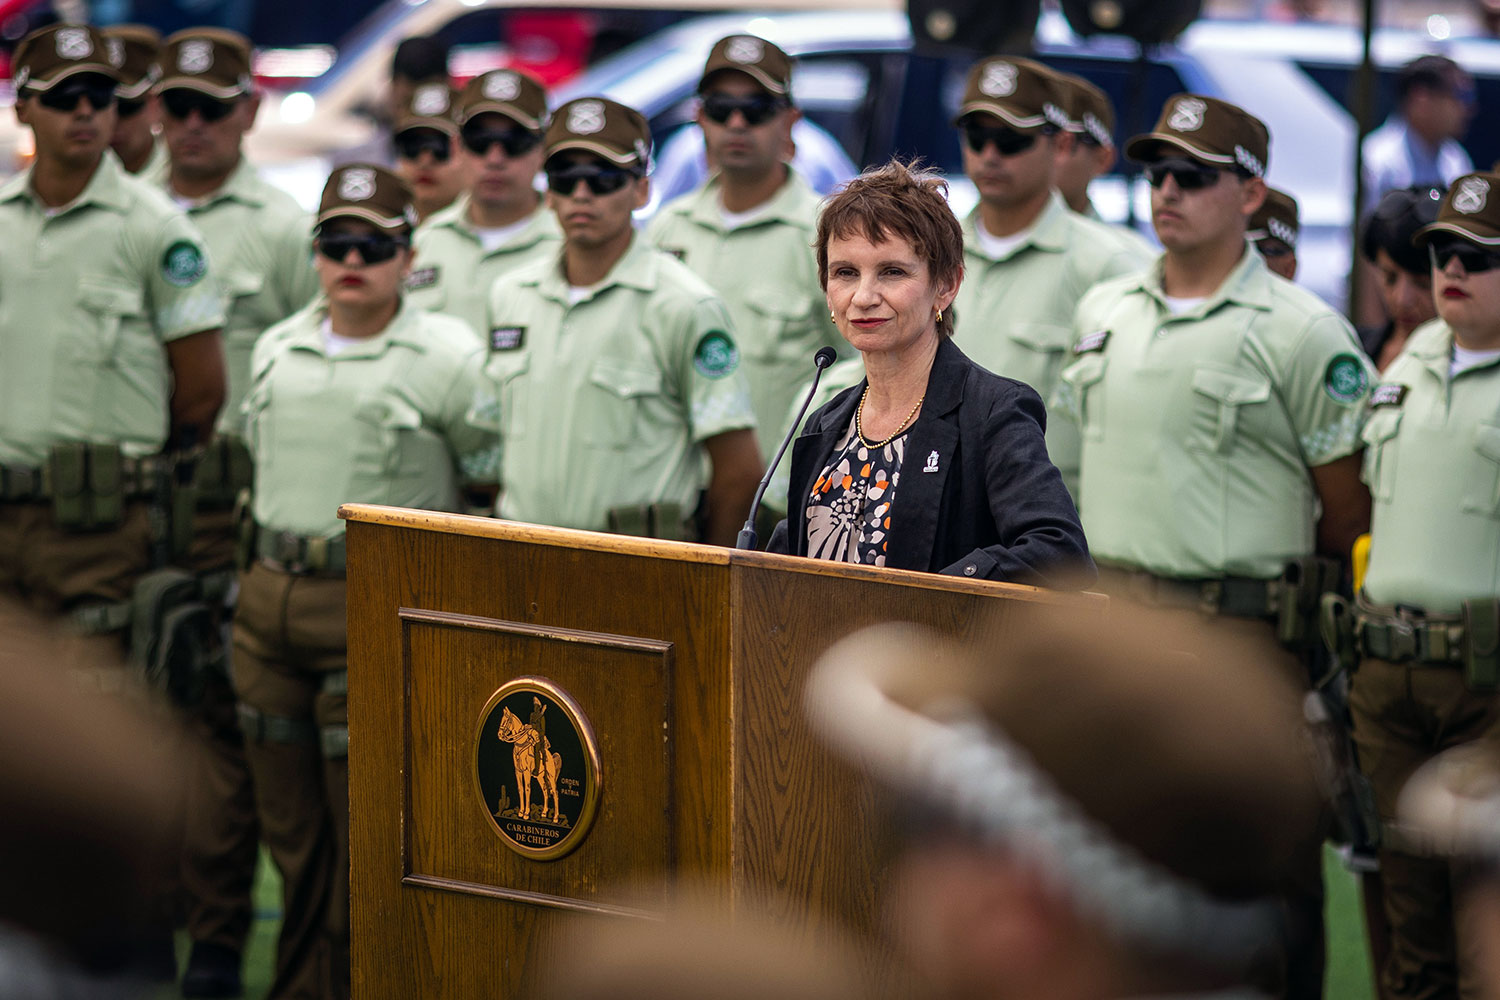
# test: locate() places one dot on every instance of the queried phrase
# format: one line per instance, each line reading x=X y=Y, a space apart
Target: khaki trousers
x=289 y=633
x=1404 y=714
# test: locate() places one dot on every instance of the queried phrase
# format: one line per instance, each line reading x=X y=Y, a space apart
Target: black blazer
x=995 y=508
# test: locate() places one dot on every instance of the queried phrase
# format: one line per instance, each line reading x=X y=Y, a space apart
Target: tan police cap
x=136 y=47
x=52 y=54
x=1471 y=209
x=1276 y=219
x=508 y=92
x=1022 y=93
x=760 y=60
x=1088 y=109
x=1206 y=129
x=603 y=127
x=365 y=191
x=212 y=61
x=431 y=105
x=1158 y=775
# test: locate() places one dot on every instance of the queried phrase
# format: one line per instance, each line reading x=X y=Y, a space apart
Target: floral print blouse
x=849 y=512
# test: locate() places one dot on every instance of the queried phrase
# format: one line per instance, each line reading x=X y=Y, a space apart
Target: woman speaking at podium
x=931 y=463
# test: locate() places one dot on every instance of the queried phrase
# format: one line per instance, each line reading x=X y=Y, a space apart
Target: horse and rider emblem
x=537 y=768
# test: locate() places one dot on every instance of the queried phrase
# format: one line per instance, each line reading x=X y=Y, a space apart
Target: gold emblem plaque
x=537 y=768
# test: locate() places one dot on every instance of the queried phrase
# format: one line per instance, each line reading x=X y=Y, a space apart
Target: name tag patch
x=1091 y=343
x=507 y=338
x=1388 y=394
x=422 y=277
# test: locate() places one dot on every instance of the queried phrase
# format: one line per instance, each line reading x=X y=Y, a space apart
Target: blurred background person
x=137 y=110
x=754 y=208
x=1274 y=229
x=1403 y=271
x=1426 y=622
x=1105 y=804
x=418 y=60
x=498 y=224
x=359 y=397
x=931 y=462
x=426 y=157
x=1419 y=143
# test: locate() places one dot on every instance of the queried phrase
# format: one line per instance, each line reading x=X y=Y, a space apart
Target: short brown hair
x=904 y=199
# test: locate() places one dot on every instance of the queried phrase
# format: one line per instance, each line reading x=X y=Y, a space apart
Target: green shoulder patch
x=183 y=264
x=715 y=356
x=1345 y=379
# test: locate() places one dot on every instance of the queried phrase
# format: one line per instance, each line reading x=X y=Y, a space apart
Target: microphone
x=747 y=538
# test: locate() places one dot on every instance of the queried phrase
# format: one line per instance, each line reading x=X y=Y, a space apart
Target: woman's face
x=352 y=281
x=1407 y=296
x=1469 y=301
x=882 y=296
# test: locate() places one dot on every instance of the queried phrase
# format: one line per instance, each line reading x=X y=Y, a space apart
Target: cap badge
x=195 y=56
x=74 y=43
x=1470 y=195
x=1187 y=115
x=430 y=99
x=744 y=49
x=502 y=87
x=586 y=118
x=357 y=184
x=116 y=52
x=999 y=79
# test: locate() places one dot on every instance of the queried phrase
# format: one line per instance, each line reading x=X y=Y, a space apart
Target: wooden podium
x=684 y=665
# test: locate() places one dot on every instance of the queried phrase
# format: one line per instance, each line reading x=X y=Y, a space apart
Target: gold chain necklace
x=858 y=421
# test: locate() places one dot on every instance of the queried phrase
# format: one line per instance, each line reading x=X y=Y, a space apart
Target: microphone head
x=824 y=357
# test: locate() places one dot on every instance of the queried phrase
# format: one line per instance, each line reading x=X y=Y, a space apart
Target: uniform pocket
x=786 y=323
x=1219 y=406
x=505 y=409
x=1483 y=495
x=1042 y=350
x=1379 y=436
x=1082 y=393
x=106 y=305
x=389 y=438
x=617 y=393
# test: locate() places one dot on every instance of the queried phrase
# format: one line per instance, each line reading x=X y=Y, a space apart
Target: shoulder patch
x=183 y=264
x=422 y=277
x=1091 y=343
x=716 y=356
x=507 y=338
x=1345 y=379
x=1388 y=394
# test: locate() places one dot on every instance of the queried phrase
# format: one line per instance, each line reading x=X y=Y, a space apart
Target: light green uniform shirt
x=89 y=296
x=1199 y=429
x=1432 y=461
x=1014 y=314
x=260 y=242
x=453 y=273
x=767 y=273
x=605 y=403
x=381 y=421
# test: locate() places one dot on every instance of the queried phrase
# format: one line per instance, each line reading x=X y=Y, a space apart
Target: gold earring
x=831 y=317
x=940 y=315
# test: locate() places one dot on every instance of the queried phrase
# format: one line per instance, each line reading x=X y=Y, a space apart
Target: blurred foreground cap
x=1276 y=219
x=50 y=55
x=1206 y=129
x=368 y=192
x=212 y=61
x=1471 y=209
x=1451 y=804
x=507 y=92
x=431 y=106
x=603 y=127
x=1088 y=109
x=1021 y=93
x=760 y=60
x=136 y=47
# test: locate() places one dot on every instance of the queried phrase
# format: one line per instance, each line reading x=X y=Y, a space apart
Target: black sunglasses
x=757 y=109
x=373 y=248
x=128 y=109
x=1474 y=260
x=1272 y=249
x=1008 y=142
x=181 y=103
x=600 y=179
x=514 y=141
x=65 y=96
x=1190 y=176
x=411 y=144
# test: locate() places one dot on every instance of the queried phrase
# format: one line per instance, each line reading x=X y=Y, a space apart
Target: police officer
x=137 y=112
x=615 y=367
x=109 y=326
x=1086 y=150
x=1274 y=229
x=1027 y=258
x=756 y=208
x=1427 y=620
x=499 y=224
x=425 y=157
x=1107 y=808
x=259 y=242
x=357 y=397
x=1220 y=410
